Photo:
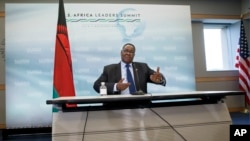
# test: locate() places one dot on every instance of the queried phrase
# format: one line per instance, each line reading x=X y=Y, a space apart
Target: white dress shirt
x=124 y=75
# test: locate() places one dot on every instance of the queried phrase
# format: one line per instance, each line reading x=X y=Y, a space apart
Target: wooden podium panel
x=194 y=114
x=66 y=123
x=123 y=120
x=206 y=119
x=208 y=122
x=194 y=122
x=137 y=135
x=207 y=132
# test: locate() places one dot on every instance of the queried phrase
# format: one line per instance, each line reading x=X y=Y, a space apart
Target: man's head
x=128 y=53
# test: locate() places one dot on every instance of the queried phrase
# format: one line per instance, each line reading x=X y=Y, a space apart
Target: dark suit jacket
x=112 y=74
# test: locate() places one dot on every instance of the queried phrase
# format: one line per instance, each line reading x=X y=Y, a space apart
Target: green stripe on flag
x=55 y=95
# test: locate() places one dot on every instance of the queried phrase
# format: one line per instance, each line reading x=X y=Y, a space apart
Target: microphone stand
x=140 y=92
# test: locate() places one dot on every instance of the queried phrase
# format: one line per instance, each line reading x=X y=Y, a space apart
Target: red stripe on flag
x=63 y=82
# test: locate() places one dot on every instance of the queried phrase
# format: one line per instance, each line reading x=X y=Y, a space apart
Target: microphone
x=140 y=92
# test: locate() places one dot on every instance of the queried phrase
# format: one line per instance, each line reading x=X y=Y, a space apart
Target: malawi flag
x=63 y=84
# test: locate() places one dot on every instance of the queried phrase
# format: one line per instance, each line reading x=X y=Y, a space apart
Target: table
x=191 y=116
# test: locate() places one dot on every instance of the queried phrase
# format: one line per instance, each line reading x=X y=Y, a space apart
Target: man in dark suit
x=115 y=75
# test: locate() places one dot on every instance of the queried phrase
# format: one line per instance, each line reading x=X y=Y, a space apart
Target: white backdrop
x=161 y=33
x=2 y=51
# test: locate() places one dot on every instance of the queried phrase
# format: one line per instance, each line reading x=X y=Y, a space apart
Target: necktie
x=130 y=80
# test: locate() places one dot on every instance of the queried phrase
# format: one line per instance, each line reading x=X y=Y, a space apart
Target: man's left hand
x=156 y=77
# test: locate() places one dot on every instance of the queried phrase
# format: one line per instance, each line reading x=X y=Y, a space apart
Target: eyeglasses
x=128 y=51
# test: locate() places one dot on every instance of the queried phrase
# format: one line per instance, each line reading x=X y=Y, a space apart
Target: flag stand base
x=245 y=111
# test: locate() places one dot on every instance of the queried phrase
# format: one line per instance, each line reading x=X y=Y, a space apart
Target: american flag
x=244 y=63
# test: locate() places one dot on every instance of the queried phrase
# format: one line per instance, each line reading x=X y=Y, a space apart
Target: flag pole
x=246 y=110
